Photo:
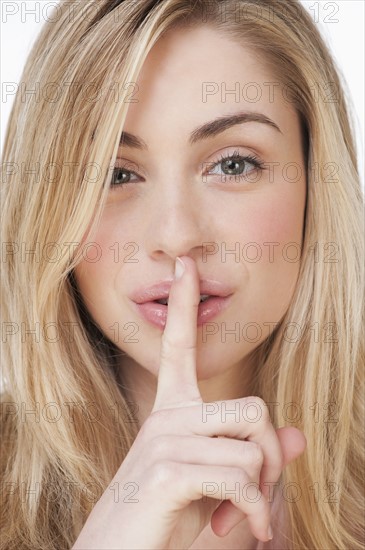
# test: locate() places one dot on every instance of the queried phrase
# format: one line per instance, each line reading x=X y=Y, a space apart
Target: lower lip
x=157 y=313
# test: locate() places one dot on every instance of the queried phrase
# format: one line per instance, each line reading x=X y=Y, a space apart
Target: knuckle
x=253 y=453
x=260 y=405
x=241 y=476
x=169 y=348
x=163 y=473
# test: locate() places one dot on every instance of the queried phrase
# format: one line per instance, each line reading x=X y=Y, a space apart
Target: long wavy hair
x=66 y=423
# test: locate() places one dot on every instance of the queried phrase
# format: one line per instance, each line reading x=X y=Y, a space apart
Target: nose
x=176 y=223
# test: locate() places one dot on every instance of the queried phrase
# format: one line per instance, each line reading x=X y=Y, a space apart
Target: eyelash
x=251 y=159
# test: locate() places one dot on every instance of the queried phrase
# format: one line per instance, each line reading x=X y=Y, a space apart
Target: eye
x=121 y=176
x=236 y=165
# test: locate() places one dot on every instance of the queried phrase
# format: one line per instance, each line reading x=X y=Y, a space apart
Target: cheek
x=268 y=226
x=114 y=240
x=269 y=229
x=277 y=228
x=102 y=261
x=279 y=219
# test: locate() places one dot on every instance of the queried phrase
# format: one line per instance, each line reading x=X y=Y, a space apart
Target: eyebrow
x=207 y=130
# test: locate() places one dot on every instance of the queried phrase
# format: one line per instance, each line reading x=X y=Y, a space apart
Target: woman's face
x=242 y=225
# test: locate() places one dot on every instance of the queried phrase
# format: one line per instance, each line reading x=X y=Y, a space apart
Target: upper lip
x=161 y=290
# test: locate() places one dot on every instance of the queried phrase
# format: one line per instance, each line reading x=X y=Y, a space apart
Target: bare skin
x=168 y=209
x=176 y=456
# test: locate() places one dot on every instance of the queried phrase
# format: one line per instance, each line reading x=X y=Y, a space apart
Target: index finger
x=177 y=383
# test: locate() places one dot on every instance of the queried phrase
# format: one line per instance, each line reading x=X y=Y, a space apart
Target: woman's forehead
x=195 y=75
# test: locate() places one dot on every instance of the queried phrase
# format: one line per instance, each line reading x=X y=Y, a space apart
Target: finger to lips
x=177 y=379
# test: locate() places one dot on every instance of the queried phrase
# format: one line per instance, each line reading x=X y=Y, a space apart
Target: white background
x=341 y=23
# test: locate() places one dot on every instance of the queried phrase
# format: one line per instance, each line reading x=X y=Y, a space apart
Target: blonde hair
x=56 y=463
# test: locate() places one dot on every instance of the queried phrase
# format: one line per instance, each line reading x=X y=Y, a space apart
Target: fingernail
x=179 y=268
x=269 y=533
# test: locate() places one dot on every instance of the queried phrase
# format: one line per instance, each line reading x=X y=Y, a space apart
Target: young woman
x=148 y=407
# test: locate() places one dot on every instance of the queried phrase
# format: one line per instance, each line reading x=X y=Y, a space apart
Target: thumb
x=293 y=443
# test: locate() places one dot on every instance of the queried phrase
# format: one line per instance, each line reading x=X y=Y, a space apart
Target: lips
x=147 y=304
x=161 y=291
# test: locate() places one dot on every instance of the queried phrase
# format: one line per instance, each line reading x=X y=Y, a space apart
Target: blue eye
x=236 y=165
x=121 y=176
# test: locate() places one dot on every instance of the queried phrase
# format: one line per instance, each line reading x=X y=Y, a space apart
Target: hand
x=176 y=456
